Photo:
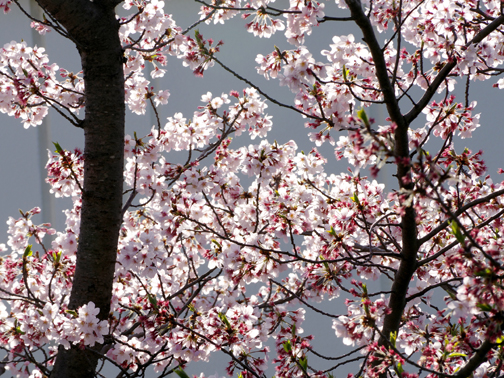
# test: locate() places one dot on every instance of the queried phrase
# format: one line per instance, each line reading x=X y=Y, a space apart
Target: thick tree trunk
x=94 y=29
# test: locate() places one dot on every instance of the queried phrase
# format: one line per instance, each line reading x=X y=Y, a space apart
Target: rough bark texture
x=94 y=29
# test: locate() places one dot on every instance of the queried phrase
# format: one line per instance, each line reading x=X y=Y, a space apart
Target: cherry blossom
x=232 y=251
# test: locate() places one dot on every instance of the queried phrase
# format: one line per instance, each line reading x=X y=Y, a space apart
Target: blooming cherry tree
x=163 y=264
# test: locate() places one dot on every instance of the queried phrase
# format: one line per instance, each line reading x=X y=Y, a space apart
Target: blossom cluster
x=224 y=255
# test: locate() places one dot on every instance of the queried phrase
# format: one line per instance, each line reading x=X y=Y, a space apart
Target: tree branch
x=381 y=71
x=476 y=360
x=409 y=250
x=443 y=225
x=448 y=67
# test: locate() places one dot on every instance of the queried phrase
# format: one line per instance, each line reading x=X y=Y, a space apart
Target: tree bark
x=94 y=29
x=409 y=251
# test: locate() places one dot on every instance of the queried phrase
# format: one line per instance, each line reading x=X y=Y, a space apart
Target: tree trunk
x=94 y=29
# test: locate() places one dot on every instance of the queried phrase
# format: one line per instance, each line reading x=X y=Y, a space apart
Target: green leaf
x=399 y=369
x=287 y=346
x=57 y=257
x=152 y=300
x=363 y=116
x=487 y=272
x=484 y=307
x=72 y=312
x=303 y=362
x=262 y=157
x=199 y=41
x=355 y=198
x=457 y=355
x=197 y=35
x=345 y=73
x=280 y=55
x=191 y=308
x=28 y=251
x=224 y=320
x=59 y=150
x=393 y=338
x=326 y=265
x=456 y=232
x=332 y=232
x=181 y=373
x=364 y=289
x=18 y=331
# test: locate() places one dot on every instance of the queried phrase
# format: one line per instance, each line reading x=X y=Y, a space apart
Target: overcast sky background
x=20 y=176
